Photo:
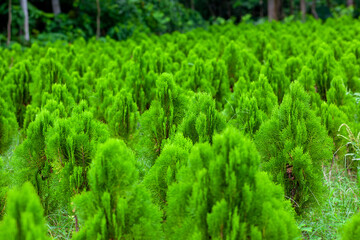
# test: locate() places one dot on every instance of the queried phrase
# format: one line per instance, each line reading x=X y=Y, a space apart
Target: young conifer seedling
x=24 y=217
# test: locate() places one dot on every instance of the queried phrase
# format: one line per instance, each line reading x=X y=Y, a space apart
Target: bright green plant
x=276 y=75
x=30 y=162
x=339 y=96
x=294 y=145
x=293 y=68
x=18 y=82
x=4 y=183
x=29 y=116
x=202 y=120
x=117 y=207
x=60 y=94
x=351 y=69
x=48 y=72
x=351 y=228
x=24 y=217
x=139 y=80
x=221 y=193
x=324 y=66
x=70 y=147
x=332 y=117
x=247 y=109
x=163 y=117
x=122 y=116
x=8 y=125
x=163 y=173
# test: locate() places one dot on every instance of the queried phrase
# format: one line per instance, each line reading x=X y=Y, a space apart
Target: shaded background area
x=120 y=18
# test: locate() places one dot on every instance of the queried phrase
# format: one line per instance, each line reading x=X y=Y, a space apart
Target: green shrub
x=59 y=94
x=70 y=147
x=332 y=117
x=351 y=229
x=202 y=120
x=24 y=217
x=294 y=145
x=105 y=88
x=324 y=65
x=30 y=162
x=29 y=116
x=4 y=184
x=117 y=207
x=276 y=75
x=48 y=72
x=293 y=68
x=351 y=69
x=122 y=116
x=163 y=173
x=57 y=153
x=221 y=194
x=248 y=109
x=161 y=120
x=8 y=126
x=18 y=82
x=339 y=96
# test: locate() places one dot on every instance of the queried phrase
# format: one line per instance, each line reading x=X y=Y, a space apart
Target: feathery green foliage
x=221 y=193
x=247 y=109
x=24 y=217
x=294 y=145
x=122 y=116
x=202 y=120
x=161 y=120
x=30 y=162
x=351 y=229
x=8 y=126
x=4 y=183
x=163 y=173
x=70 y=147
x=117 y=207
x=288 y=89
x=18 y=81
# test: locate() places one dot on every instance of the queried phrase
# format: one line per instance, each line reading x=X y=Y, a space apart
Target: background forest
x=50 y=20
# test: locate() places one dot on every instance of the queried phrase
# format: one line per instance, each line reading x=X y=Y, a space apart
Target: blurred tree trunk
x=9 y=25
x=328 y=3
x=98 y=19
x=261 y=8
x=350 y=3
x=281 y=13
x=24 y=7
x=192 y=4
x=56 y=6
x=291 y=7
x=228 y=9
x=303 y=10
x=313 y=9
x=273 y=9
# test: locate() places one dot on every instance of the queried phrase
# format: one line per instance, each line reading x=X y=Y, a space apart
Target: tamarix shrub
x=117 y=205
x=222 y=194
x=24 y=217
x=293 y=145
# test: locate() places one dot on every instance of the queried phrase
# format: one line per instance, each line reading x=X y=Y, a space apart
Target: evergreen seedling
x=294 y=145
x=202 y=120
x=8 y=126
x=117 y=207
x=122 y=116
x=163 y=117
x=24 y=217
x=221 y=194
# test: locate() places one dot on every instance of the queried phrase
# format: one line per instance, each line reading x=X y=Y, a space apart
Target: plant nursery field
x=231 y=132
